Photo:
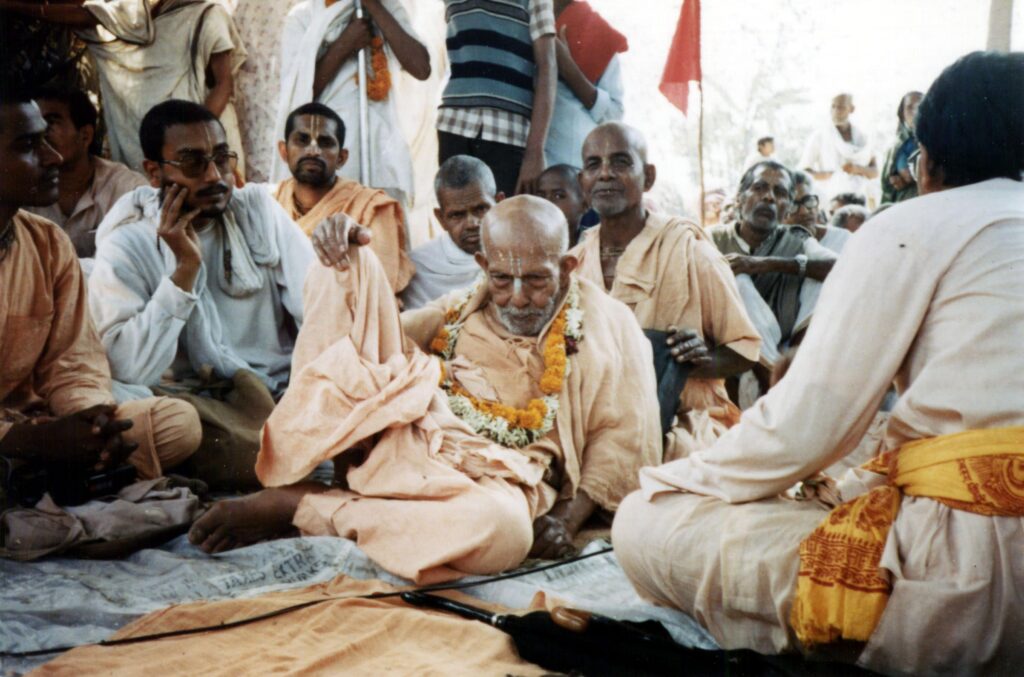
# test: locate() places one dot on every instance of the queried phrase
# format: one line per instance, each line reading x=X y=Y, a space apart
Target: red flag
x=683 y=65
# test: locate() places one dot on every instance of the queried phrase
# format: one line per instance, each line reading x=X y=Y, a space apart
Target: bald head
x=616 y=173
x=525 y=239
x=842 y=107
x=631 y=136
x=525 y=224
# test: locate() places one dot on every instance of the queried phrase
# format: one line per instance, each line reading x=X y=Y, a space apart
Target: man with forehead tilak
x=467 y=434
x=667 y=270
x=314 y=150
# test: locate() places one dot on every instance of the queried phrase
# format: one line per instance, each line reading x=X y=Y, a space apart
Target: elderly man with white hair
x=468 y=434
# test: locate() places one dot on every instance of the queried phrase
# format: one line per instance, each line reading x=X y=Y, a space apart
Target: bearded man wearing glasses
x=197 y=281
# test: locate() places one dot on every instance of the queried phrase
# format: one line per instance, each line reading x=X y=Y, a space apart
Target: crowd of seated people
x=560 y=354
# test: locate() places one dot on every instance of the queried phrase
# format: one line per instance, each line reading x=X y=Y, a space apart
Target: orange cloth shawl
x=371 y=208
x=841 y=591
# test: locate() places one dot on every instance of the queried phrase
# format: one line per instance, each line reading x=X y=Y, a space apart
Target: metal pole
x=1000 y=25
x=364 y=111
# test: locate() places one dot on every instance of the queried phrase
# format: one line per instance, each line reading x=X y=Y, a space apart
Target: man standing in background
x=589 y=89
x=840 y=157
x=144 y=54
x=498 y=103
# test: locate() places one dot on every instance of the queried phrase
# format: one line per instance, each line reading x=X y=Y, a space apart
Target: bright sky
x=876 y=49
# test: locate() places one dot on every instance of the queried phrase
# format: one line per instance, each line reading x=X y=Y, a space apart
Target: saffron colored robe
x=672 y=275
x=433 y=500
x=369 y=207
x=53 y=363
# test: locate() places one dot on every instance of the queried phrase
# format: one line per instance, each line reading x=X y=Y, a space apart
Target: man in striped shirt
x=498 y=102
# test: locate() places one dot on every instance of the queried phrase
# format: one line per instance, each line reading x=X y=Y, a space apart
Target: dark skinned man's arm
x=553 y=533
x=540 y=118
x=224 y=83
x=409 y=51
x=819 y=265
x=725 y=362
x=411 y=54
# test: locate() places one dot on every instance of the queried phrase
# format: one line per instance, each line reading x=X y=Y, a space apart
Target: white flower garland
x=495 y=427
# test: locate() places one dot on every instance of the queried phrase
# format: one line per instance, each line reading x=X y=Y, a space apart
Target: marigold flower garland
x=509 y=426
x=379 y=85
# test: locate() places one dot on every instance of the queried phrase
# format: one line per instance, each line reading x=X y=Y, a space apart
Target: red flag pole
x=700 y=152
x=683 y=67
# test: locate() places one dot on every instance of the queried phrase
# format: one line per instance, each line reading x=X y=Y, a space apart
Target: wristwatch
x=801 y=260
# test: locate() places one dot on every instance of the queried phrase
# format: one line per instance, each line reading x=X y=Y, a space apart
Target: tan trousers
x=167 y=432
x=732 y=567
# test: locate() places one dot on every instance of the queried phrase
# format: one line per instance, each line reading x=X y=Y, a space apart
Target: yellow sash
x=841 y=591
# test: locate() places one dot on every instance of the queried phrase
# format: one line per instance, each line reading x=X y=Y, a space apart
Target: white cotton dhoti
x=957 y=604
x=732 y=567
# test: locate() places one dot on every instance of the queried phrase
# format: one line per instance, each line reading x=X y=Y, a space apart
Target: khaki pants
x=167 y=432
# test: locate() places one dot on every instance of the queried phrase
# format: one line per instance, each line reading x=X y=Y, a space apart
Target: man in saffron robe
x=929 y=295
x=669 y=273
x=313 y=149
x=56 y=406
x=525 y=437
x=320 y=43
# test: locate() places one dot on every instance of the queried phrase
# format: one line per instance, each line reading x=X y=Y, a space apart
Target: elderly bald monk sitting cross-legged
x=56 y=408
x=527 y=402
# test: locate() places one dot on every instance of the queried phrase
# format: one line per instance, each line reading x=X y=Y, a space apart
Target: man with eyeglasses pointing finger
x=197 y=280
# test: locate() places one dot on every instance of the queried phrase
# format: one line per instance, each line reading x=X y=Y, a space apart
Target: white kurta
x=149 y=325
x=827 y=151
x=927 y=294
x=308 y=31
x=441 y=268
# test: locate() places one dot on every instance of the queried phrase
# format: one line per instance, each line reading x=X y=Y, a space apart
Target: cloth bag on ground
x=142 y=514
x=232 y=413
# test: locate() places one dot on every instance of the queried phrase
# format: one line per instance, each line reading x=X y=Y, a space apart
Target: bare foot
x=243 y=521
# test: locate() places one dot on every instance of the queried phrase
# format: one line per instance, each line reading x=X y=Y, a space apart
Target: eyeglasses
x=808 y=201
x=193 y=166
x=912 y=164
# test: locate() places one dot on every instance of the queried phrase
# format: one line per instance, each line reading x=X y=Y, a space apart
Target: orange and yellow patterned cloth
x=841 y=591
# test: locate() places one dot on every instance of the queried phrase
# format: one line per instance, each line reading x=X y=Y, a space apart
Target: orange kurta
x=52 y=360
x=433 y=499
x=369 y=207
x=671 y=275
